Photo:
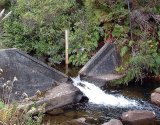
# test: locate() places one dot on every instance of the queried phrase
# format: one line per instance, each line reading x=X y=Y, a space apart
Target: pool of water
x=98 y=114
x=68 y=70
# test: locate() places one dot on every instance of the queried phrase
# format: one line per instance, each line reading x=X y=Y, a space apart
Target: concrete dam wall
x=32 y=75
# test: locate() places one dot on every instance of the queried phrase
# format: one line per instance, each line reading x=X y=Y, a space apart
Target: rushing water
x=97 y=96
x=107 y=102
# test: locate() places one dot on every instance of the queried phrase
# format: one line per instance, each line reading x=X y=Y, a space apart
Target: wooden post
x=66 y=49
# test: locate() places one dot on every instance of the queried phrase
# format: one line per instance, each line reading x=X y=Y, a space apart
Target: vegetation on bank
x=37 y=27
x=10 y=113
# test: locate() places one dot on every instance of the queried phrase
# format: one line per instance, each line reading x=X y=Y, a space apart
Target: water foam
x=97 y=96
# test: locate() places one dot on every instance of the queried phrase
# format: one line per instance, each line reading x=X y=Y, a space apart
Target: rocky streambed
x=146 y=113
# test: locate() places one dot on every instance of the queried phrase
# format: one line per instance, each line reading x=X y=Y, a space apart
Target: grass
x=10 y=114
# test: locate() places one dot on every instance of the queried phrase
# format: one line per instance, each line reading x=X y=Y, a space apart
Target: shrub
x=38 y=27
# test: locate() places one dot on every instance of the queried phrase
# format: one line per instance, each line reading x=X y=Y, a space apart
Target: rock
x=155 y=98
x=157 y=90
x=138 y=117
x=113 y=122
x=59 y=96
x=80 y=121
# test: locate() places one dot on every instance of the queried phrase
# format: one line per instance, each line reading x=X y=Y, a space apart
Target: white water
x=97 y=96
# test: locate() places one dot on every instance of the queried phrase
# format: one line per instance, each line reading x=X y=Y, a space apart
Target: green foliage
x=142 y=50
x=6 y=114
x=115 y=11
x=120 y=69
x=84 y=36
x=3 y=2
x=38 y=27
x=10 y=115
x=37 y=120
x=2 y=105
x=159 y=33
x=123 y=51
x=146 y=61
x=118 y=30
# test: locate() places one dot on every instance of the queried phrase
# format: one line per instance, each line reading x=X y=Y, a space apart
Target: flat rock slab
x=138 y=117
x=59 y=96
x=113 y=122
x=155 y=98
x=32 y=74
x=103 y=64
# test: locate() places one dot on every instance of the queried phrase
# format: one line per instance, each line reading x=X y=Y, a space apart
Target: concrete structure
x=102 y=65
x=42 y=84
x=32 y=74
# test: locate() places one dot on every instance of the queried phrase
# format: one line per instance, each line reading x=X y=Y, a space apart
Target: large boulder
x=59 y=96
x=138 y=117
x=155 y=98
x=113 y=122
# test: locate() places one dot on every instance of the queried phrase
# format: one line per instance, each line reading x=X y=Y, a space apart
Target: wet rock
x=138 y=117
x=157 y=90
x=113 y=122
x=80 y=121
x=155 y=98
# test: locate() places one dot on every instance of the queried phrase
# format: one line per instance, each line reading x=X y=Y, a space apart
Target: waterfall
x=98 y=96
